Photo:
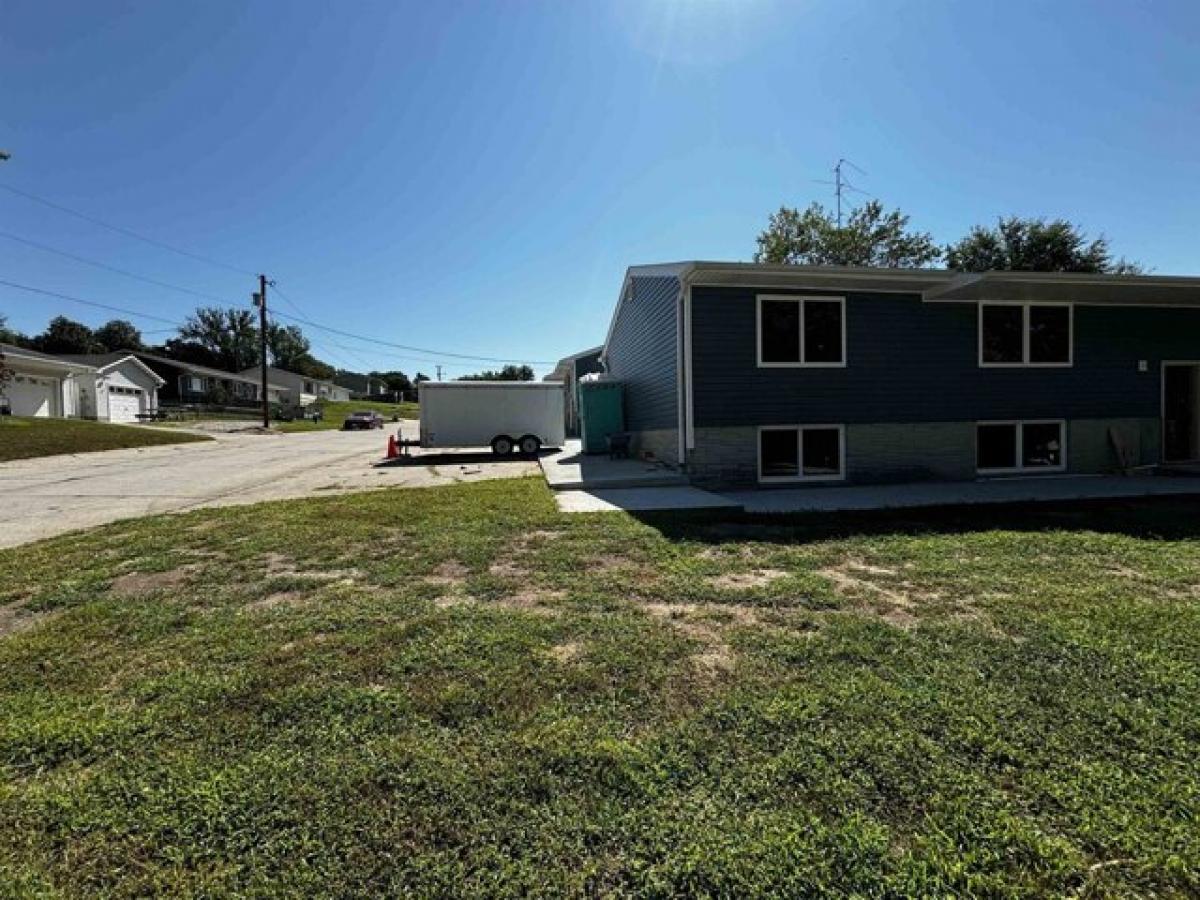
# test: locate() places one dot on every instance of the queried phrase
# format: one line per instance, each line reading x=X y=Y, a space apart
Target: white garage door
x=124 y=404
x=32 y=396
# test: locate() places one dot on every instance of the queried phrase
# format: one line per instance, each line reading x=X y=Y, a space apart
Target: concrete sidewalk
x=1045 y=489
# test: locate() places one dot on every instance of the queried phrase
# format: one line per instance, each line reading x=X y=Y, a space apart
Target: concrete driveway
x=43 y=497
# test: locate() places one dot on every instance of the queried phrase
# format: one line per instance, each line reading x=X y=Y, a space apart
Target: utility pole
x=841 y=184
x=262 y=346
x=439 y=371
x=837 y=174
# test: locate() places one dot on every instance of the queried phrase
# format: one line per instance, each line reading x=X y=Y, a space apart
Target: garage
x=125 y=404
x=121 y=388
x=30 y=395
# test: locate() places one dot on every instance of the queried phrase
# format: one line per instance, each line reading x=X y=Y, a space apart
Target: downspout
x=683 y=367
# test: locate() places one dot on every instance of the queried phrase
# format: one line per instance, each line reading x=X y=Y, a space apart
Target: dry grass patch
x=139 y=584
x=16 y=618
x=535 y=600
x=566 y=653
x=740 y=581
x=449 y=572
x=279 y=598
x=508 y=569
x=606 y=562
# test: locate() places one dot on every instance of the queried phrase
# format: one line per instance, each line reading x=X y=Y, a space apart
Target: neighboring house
x=300 y=390
x=745 y=373
x=186 y=382
x=42 y=385
x=569 y=370
x=120 y=389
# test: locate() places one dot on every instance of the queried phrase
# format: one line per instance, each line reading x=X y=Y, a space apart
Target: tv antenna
x=841 y=185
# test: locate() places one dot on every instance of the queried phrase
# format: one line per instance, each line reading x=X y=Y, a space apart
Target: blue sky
x=475 y=177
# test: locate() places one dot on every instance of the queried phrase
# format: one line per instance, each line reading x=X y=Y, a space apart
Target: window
x=1029 y=334
x=801 y=331
x=1020 y=446
x=801 y=453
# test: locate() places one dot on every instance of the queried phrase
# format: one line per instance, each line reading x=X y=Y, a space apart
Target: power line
x=128 y=312
x=99 y=265
x=125 y=231
x=152 y=241
x=371 y=340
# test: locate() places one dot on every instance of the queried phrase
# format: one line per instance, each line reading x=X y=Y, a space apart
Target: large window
x=1020 y=446
x=1029 y=334
x=801 y=331
x=801 y=453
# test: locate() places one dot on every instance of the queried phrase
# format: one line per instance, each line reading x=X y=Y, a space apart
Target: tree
x=508 y=373
x=870 y=237
x=8 y=336
x=312 y=367
x=6 y=373
x=189 y=352
x=64 y=335
x=119 y=334
x=287 y=346
x=1035 y=245
x=419 y=377
x=393 y=380
x=229 y=334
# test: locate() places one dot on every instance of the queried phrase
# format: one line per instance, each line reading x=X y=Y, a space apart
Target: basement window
x=1005 y=447
x=1025 y=334
x=801 y=453
x=801 y=331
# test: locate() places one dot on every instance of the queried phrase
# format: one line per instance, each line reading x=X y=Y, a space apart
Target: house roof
x=202 y=370
x=1076 y=287
x=933 y=285
x=105 y=361
x=561 y=368
x=12 y=351
x=253 y=371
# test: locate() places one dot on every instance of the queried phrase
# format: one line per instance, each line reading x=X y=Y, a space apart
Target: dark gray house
x=745 y=373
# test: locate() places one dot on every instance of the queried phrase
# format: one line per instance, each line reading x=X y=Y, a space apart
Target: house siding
x=642 y=353
x=912 y=389
x=895 y=453
x=909 y=361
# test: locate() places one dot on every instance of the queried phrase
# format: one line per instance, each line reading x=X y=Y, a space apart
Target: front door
x=1181 y=412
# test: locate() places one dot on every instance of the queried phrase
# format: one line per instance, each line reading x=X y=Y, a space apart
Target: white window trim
x=800 y=476
x=801 y=363
x=1025 y=363
x=1021 y=468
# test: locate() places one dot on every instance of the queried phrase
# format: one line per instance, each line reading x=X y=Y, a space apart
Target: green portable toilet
x=601 y=413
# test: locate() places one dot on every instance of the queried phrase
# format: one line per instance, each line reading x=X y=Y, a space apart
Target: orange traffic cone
x=393 y=451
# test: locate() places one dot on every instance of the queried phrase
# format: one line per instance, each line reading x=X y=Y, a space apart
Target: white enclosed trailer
x=504 y=415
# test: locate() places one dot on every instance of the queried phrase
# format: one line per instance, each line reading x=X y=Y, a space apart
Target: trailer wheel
x=530 y=445
x=502 y=445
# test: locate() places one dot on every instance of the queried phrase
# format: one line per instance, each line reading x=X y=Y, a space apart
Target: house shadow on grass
x=1148 y=518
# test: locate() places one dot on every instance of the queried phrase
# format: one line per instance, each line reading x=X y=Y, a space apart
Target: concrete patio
x=571 y=469
x=966 y=493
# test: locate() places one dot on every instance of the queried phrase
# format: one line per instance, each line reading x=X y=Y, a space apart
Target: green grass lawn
x=462 y=692
x=22 y=438
x=336 y=411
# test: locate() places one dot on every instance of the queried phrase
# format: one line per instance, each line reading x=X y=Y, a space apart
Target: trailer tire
x=502 y=445
x=530 y=445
